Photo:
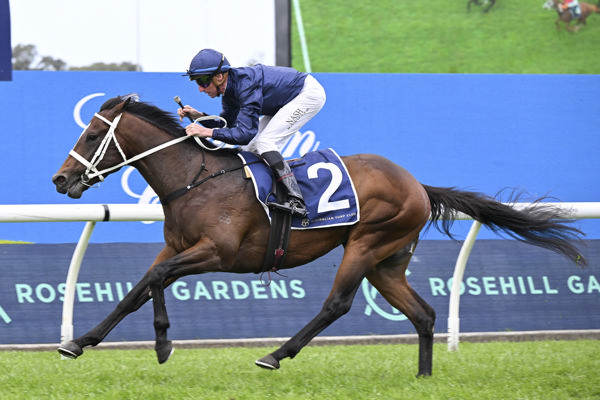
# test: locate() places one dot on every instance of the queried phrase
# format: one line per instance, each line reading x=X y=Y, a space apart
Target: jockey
x=572 y=6
x=285 y=98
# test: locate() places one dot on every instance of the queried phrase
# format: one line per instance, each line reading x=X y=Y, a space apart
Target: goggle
x=205 y=80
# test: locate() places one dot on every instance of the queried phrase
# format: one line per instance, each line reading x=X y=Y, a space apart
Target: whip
x=203 y=118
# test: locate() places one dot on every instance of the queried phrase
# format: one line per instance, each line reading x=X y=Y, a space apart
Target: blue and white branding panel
x=508 y=286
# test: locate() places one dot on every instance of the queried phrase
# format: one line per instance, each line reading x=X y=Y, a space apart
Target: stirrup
x=294 y=207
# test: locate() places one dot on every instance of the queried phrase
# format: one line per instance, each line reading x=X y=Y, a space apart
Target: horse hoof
x=164 y=349
x=268 y=362
x=70 y=350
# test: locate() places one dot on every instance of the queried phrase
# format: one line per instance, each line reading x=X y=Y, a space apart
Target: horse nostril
x=59 y=179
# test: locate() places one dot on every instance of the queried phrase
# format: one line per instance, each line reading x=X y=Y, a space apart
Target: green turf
x=440 y=36
x=523 y=370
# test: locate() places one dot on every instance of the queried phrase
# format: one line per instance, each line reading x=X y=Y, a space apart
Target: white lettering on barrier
x=79 y=106
x=237 y=290
x=86 y=292
x=513 y=285
x=576 y=285
x=89 y=292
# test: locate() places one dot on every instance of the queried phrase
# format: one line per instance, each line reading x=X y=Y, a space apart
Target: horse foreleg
x=557 y=23
x=197 y=259
x=137 y=297
x=132 y=301
x=163 y=346
x=338 y=303
x=490 y=5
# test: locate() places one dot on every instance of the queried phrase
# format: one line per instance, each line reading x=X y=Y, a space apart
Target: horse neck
x=165 y=170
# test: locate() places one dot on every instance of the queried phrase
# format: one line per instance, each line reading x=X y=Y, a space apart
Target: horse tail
x=539 y=224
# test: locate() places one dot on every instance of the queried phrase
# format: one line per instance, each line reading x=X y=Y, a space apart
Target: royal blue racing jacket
x=252 y=92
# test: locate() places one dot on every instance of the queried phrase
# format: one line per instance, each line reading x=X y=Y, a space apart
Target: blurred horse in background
x=566 y=17
x=487 y=4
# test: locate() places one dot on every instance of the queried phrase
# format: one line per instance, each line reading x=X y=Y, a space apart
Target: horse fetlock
x=161 y=323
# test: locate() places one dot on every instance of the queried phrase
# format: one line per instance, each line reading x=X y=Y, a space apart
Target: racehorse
x=394 y=209
x=487 y=4
x=566 y=17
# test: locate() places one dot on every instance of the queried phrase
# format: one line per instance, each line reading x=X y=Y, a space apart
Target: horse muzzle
x=72 y=187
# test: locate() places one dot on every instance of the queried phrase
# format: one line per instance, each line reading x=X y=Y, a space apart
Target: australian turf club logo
x=371 y=296
x=4 y=316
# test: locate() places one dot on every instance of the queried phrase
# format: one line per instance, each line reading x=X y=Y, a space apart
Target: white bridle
x=549 y=5
x=101 y=151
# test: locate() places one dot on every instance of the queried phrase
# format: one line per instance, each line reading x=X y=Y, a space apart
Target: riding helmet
x=208 y=61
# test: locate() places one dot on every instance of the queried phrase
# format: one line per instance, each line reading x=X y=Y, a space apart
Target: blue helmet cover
x=207 y=62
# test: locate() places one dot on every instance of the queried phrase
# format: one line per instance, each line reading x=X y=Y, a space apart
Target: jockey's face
x=214 y=89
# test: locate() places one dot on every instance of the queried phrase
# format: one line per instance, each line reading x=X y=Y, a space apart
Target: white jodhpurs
x=274 y=131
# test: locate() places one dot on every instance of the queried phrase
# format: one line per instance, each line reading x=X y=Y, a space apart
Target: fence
x=93 y=213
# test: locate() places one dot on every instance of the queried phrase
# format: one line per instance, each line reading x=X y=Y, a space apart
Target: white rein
x=91 y=166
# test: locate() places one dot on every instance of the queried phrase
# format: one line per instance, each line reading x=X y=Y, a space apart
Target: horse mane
x=148 y=112
x=160 y=118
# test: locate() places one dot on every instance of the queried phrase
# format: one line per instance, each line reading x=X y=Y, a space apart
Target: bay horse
x=566 y=17
x=394 y=209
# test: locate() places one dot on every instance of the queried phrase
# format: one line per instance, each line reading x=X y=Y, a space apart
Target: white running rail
x=92 y=213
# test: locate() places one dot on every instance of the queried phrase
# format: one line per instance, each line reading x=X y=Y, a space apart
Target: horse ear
x=129 y=98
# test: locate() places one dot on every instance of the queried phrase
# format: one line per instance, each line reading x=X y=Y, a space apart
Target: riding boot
x=295 y=202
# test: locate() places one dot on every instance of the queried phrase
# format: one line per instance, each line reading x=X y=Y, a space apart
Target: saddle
x=327 y=189
x=575 y=11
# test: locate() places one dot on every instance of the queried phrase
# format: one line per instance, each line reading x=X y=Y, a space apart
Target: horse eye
x=91 y=137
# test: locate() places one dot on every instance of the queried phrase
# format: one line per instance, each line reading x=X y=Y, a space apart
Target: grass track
x=522 y=370
x=440 y=36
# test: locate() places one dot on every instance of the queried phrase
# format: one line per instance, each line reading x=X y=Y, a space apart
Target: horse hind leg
x=350 y=274
x=389 y=278
x=557 y=23
x=489 y=5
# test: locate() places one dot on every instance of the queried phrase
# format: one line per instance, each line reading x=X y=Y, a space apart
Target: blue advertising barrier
x=508 y=286
x=481 y=132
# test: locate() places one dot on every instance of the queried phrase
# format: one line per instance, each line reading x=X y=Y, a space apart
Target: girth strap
x=279 y=237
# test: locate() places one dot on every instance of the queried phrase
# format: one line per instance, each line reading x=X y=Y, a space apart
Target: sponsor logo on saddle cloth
x=325 y=184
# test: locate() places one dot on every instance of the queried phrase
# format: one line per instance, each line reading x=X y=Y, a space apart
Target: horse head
x=96 y=150
x=550 y=4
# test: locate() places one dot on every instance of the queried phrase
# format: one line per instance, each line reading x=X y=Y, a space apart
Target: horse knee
x=158 y=275
x=336 y=307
